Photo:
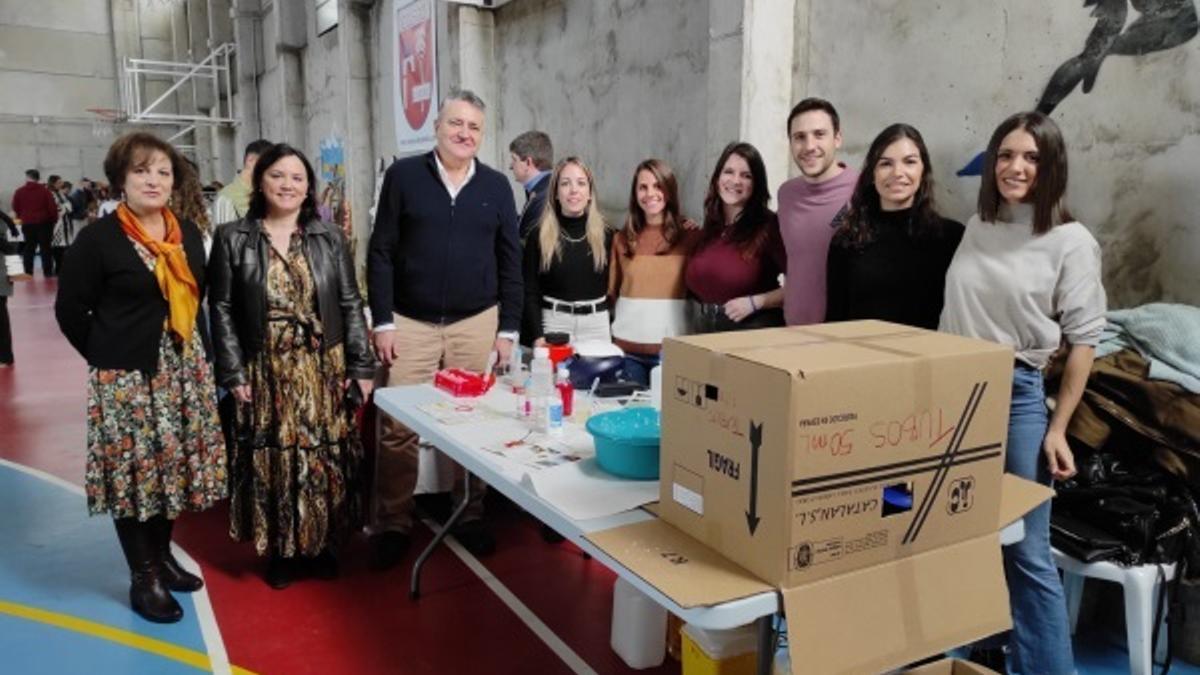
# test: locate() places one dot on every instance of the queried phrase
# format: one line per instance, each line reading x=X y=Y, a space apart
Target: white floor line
x=48 y=477
x=214 y=643
x=555 y=643
x=209 y=631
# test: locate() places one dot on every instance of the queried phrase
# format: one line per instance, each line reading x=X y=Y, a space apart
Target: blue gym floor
x=64 y=587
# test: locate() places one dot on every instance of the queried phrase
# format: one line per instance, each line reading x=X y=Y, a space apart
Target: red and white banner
x=414 y=87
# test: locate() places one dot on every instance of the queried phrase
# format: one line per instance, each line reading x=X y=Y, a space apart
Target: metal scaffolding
x=214 y=71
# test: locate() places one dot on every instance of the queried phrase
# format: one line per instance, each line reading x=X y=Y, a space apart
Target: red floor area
x=360 y=623
x=42 y=398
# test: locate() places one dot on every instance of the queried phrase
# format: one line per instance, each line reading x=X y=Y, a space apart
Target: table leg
x=766 y=644
x=415 y=589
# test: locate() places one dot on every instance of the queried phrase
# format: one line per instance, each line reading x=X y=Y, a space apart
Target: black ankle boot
x=148 y=595
x=280 y=572
x=174 y=576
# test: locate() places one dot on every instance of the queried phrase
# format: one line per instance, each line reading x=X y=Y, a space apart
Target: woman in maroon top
x=733 y=275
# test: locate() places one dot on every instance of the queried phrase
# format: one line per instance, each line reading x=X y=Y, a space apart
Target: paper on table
x=534 y=453
x=582 y=490
x=458 y=412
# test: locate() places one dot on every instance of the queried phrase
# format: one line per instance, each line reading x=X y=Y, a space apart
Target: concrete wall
x=43 y=119
x=612 y=82
x=616 y=82
x=955 y=70
x=47 y=125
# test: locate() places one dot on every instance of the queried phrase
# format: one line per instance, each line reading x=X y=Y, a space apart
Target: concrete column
x=477 y=72
x=724 y=78
x=247 y=34
x=354 y=23
x=767 y=61
x=751 y=55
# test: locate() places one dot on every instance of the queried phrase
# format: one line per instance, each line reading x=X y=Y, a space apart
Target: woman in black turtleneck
x=888 y=259
x=566 y=261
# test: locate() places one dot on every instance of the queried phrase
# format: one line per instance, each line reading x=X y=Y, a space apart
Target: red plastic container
x=463 y=383
x=559 y=353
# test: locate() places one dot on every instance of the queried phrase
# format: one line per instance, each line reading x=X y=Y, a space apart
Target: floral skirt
x=296 y=463
x=154 y=440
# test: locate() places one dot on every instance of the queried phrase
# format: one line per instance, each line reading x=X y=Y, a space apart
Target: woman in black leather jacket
x=290 y=339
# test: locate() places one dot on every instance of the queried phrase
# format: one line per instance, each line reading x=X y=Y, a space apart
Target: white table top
x=402 y=402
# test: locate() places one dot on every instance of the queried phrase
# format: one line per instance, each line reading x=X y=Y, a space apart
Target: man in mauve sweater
x=811 y=207
x=444 y=284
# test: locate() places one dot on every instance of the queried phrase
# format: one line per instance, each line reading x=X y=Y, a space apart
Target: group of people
x=49 y=214
x=446 y=287
x=455 y=272
x=45 y=218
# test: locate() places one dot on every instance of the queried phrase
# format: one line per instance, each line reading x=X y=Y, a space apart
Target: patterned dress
x=154 y=440
x=296 y=464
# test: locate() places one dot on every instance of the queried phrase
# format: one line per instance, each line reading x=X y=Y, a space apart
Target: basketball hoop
x=105 y=118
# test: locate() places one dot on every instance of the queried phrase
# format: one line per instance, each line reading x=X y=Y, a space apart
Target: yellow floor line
x=158 y=647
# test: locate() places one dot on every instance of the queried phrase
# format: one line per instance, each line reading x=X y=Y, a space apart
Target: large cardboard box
x=808 y=452
x=854 y=469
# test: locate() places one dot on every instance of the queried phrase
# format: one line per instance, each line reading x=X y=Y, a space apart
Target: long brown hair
x=187 y=199
x=1050 y=185
x=858 y=227
x=549 y=226
x=635 y=220
x=750 y=229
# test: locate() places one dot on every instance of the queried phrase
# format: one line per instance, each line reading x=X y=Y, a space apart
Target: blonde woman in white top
x=1028 y=275
x=565 y=267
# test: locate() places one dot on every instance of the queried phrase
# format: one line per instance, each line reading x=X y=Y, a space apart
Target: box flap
x=885 y=616
x=801 y=350
x=1018 y=497
x=950 y=667
x=685 y=570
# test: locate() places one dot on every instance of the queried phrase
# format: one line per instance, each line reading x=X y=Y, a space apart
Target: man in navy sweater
x=444 y=284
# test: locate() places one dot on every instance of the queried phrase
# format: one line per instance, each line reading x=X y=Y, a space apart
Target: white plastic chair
x=1140 y=585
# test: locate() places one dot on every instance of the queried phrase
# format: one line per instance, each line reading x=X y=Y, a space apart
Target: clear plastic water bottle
x=541 y=388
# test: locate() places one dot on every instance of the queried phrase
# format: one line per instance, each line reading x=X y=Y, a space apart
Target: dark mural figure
x=1161 y=25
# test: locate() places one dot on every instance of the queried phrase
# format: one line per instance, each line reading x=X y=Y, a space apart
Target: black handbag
x=1133 y=521
x=1085 y=542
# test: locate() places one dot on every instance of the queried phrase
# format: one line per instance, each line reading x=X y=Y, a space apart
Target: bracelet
x=753 y=305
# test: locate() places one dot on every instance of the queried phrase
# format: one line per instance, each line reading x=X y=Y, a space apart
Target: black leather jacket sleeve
x=230 y=358
x=360 y=362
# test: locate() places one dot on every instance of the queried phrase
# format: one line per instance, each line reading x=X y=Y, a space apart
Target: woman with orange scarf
x=128 y=300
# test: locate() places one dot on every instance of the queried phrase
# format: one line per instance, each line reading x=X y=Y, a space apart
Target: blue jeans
x=1040 y=641
x=636 y=367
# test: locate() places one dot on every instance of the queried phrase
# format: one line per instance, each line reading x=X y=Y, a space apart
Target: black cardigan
x=109 y=304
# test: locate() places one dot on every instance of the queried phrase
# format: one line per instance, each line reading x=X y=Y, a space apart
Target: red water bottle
x=566 y=391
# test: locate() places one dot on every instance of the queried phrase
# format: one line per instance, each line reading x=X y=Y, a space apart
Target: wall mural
x=332 y=204
x=1161 y=25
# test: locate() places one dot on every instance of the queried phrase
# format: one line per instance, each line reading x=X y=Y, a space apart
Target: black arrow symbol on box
x=755 y=442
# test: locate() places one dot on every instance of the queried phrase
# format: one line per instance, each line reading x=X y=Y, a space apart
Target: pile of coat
x=1136 y=434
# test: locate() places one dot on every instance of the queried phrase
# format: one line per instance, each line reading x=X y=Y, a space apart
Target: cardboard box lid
x=950 y=667
x=875 y=618
x=685 y=570
x=881 y=617
x=801 y=350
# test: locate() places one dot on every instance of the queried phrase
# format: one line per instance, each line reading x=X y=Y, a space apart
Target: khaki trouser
x=422 y=349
